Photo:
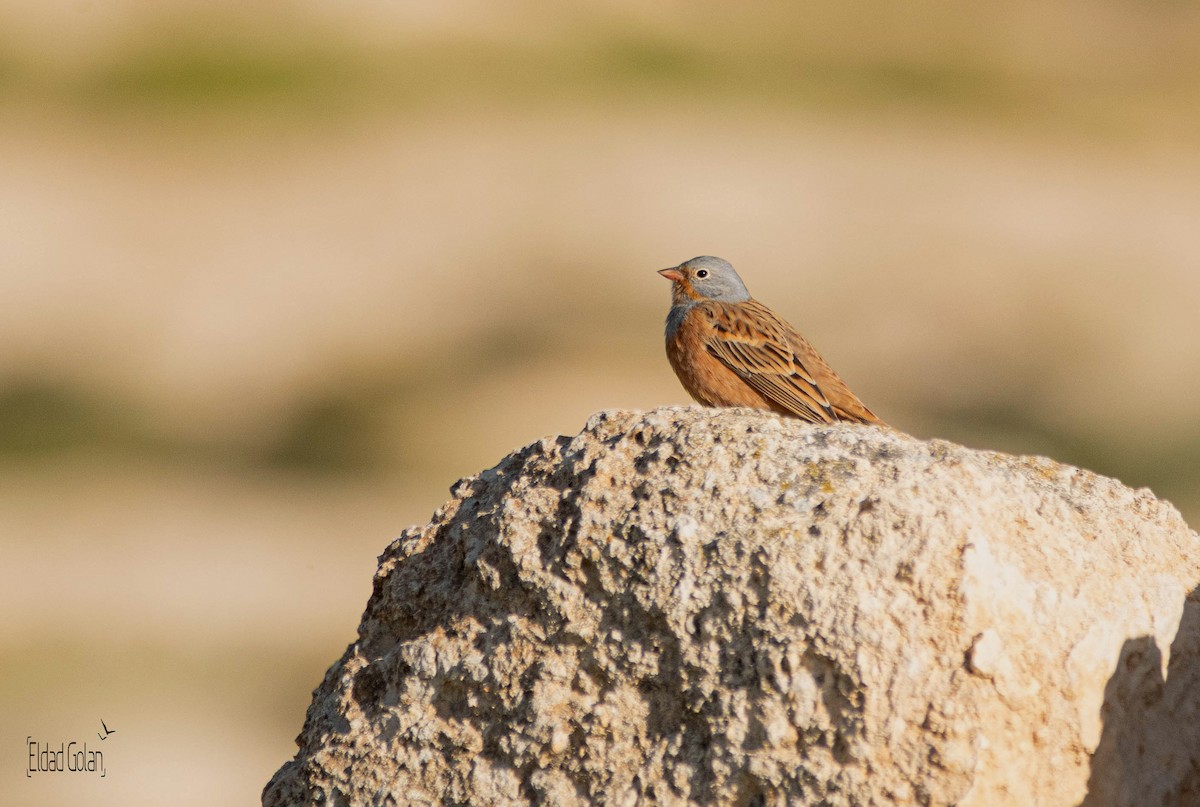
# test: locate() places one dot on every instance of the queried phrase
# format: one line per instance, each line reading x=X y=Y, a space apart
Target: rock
x=693 y=606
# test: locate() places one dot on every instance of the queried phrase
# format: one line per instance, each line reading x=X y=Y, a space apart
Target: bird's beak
x=672 y=274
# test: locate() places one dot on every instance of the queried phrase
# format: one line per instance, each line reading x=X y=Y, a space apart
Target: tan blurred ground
x=271 y=279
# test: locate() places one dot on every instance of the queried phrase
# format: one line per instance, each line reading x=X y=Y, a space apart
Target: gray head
x=706 y=278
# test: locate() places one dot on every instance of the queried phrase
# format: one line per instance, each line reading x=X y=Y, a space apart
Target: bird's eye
x=702 y=273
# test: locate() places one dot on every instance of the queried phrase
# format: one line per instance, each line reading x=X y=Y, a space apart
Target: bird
x=728 y=349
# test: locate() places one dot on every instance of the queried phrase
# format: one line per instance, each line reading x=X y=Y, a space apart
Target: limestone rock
x=693 y=606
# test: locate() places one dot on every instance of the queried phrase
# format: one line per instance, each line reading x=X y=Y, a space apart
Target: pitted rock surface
x=696 y=606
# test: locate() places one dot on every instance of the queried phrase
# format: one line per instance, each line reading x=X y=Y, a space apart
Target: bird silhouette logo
x=107 y=731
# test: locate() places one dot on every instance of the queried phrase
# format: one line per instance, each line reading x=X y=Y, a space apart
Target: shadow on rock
x=1149 y=752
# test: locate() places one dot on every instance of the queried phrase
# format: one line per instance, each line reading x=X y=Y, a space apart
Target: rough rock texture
x=691 y=606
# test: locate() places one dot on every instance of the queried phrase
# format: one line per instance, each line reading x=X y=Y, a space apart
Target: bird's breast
x=675 y=318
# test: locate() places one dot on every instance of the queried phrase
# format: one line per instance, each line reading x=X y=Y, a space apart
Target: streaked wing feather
x=794 y=393
x=753 y=343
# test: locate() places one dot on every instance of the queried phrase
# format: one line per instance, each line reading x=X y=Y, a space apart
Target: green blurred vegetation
x=213 y=72
x=356 y=422
x=38 y=418
x=353 y=426
x=325 y=432
x=852 y=58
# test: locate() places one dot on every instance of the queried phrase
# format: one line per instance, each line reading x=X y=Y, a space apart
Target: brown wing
x=780 y=364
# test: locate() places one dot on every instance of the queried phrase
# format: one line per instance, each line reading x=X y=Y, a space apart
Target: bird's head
x=705 y=278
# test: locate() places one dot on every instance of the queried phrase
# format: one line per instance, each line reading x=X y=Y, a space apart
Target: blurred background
x=274 y=275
